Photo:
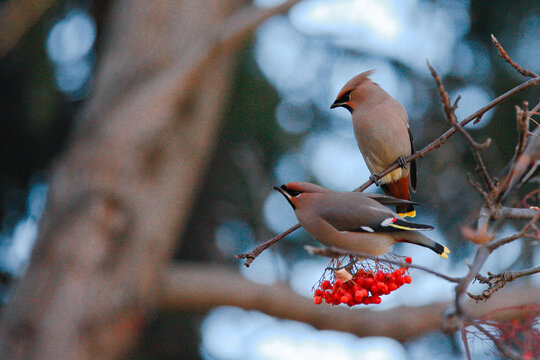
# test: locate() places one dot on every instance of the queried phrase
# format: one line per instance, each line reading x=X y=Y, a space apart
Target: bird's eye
x=291 y=192
x=345 y=97
x=294 y=193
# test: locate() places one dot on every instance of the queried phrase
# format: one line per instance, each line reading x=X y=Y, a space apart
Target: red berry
x=344 y=299
x=338 y=283
x=318 y=292
x=325 y=285
x=374 y=288
x=379 y=276
x=384 y=289
x=317 y=300
x=369 y=282
x=366 y=301
x=408 y=260
x=400 y=281
x=360 y=281
x=358 y=296
x=376 y=300
x=392 y=286
x=407 y=279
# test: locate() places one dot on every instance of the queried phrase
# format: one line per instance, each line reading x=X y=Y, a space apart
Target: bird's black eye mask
x=291 y=192
x=342 y=100
x=345 y=97
x=288 y=194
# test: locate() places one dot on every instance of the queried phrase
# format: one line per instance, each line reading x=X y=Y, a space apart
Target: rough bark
x=120 y=192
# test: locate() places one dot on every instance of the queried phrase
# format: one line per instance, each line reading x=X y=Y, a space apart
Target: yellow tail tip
x=445 y=252
x=408 y=214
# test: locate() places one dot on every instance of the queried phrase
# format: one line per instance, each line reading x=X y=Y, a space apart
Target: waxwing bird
x=382 y=131
x=354 y=221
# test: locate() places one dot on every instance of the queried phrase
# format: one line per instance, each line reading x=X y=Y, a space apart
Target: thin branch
x=335 y=252
x=480 y=190
x=509 y=353
x=465 y=342
x=481 y=256
x=505 y=56
x=449 y=111
x=494 y=245
x=432 y=146
x=498 y=281
x=252 y=255
x=515 y=213
x=522 y=124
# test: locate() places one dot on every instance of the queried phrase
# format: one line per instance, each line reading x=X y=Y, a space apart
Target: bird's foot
x=401 y=162
x=375 y=179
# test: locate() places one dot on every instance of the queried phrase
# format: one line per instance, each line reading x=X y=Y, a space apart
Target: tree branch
x=509 y=353
x=201 y=287
x=504 y=212
x=494 y=245
x=498 y=281
x=451 y=117
x=505 y=56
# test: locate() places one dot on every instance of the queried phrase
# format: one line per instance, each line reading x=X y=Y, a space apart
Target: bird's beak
x=287 y=196
x=336 y=104
x=283 y=192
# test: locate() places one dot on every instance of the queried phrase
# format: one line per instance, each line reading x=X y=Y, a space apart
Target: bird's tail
x=400 y=190
x=415 y=237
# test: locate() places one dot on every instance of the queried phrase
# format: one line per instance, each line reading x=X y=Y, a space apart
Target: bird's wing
x=413 y=173
x=355 y=214
x=390 y=200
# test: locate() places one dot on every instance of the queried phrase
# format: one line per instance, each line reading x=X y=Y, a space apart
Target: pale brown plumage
x=354 y=221
x=382 y=131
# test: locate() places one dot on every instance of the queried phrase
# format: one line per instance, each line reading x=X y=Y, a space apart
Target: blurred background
x=278 y=128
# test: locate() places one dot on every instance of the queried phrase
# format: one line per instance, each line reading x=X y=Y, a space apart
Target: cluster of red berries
x=357 y=290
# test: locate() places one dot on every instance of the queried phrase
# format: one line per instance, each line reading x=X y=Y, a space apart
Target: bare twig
x=449 y=111
x=465 y=342
x=481 y=256
x=432 y=146
x=505 y=56
x=509 y=353
x=252 y=255
x=494 y=245
x=335 y=252
x=515 y=213
x=522 y=123
x=498 y=281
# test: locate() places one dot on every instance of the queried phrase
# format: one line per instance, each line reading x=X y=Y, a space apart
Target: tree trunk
x=122 y=189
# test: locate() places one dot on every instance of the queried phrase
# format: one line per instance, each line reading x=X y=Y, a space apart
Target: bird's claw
x=375 y=179
x=401 y=162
